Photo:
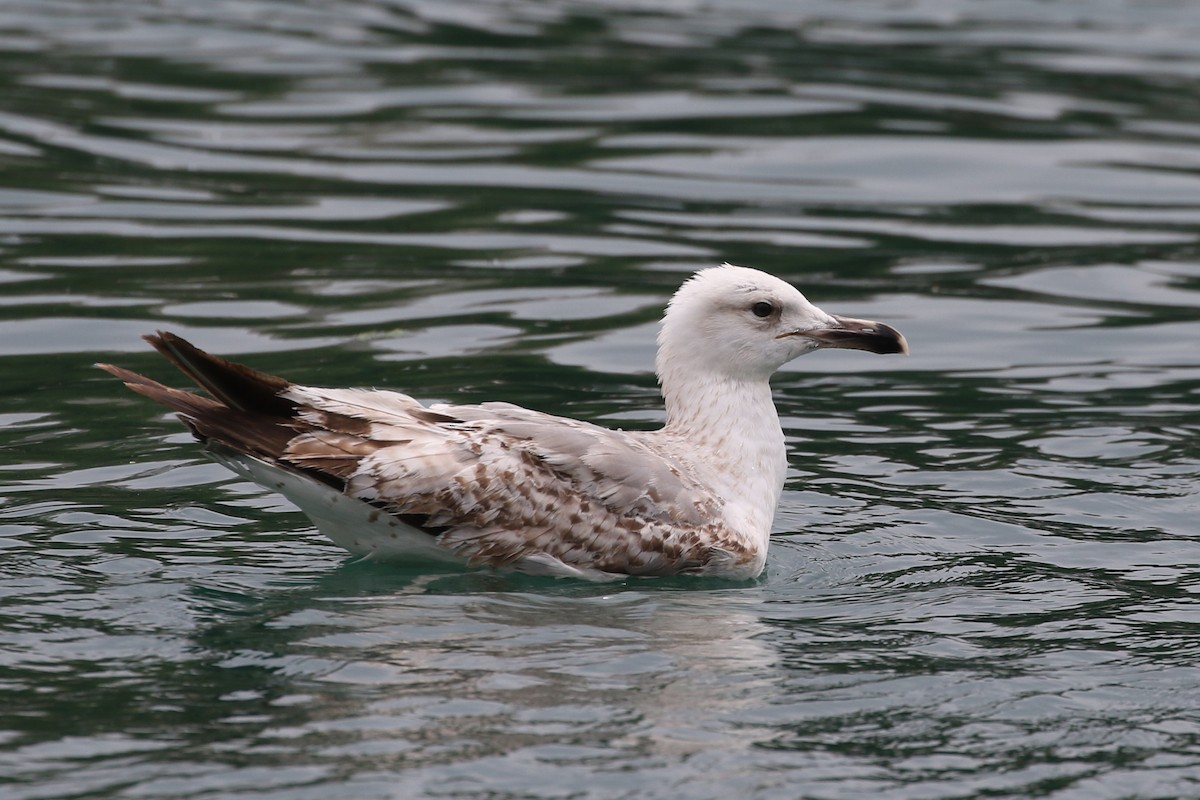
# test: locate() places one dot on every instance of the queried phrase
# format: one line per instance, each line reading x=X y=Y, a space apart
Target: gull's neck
x=732 y=423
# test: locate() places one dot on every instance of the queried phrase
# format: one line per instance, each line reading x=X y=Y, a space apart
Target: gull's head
x=745 y=324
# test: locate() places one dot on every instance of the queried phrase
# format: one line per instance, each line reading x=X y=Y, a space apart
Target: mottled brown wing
x=502 y=484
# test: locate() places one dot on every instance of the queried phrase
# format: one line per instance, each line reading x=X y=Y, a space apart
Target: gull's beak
x=857 y=334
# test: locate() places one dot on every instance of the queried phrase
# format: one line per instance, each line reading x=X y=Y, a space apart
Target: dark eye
x=762 y=309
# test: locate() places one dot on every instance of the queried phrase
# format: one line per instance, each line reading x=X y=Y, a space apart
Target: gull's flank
x=496 y=484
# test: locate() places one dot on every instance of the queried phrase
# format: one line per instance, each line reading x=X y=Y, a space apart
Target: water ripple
x=984 y=575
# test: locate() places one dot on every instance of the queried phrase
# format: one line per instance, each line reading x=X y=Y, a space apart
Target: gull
x=503 y=486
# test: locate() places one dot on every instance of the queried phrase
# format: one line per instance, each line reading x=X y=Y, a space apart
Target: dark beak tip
x=898 y=340
x=860 y=334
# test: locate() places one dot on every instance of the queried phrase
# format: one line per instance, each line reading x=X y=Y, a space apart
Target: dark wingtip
x=170 y=344
x=156 y=339
x=236 y=385
x=247 y=413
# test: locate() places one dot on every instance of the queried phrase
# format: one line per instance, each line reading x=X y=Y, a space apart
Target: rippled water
x=984 y=577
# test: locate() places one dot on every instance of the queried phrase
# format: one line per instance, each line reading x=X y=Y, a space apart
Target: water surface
x=984 y=576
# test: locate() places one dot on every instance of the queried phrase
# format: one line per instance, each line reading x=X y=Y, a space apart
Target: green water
x=983 y=581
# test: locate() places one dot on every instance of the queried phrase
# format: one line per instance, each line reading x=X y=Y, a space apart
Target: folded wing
x=494 y=483
x=498 y=483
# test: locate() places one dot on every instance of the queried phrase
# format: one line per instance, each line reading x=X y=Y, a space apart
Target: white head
x=740 y=324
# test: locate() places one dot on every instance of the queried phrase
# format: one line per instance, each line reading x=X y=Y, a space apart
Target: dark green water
x=985 y=571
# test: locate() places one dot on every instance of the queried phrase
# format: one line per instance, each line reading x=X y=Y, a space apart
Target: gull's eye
x=762 y=309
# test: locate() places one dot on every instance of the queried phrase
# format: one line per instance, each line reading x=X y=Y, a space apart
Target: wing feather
x=506 y=483
x=494 y=483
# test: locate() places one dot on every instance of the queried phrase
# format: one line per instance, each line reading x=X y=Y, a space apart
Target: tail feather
x=247 y=414
x=189 y=404
x=236 y=385
x=247 y=417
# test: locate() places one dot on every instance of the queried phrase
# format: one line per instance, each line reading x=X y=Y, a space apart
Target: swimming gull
x=496 y=484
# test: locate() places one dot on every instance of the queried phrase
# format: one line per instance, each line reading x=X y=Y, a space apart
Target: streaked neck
x=734 y=424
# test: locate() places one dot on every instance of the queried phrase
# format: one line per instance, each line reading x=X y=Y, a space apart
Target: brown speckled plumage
x=496 y=484
x=492 y=483
x=500 y=481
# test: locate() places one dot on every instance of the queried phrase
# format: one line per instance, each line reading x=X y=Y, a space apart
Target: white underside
x=370 y=532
